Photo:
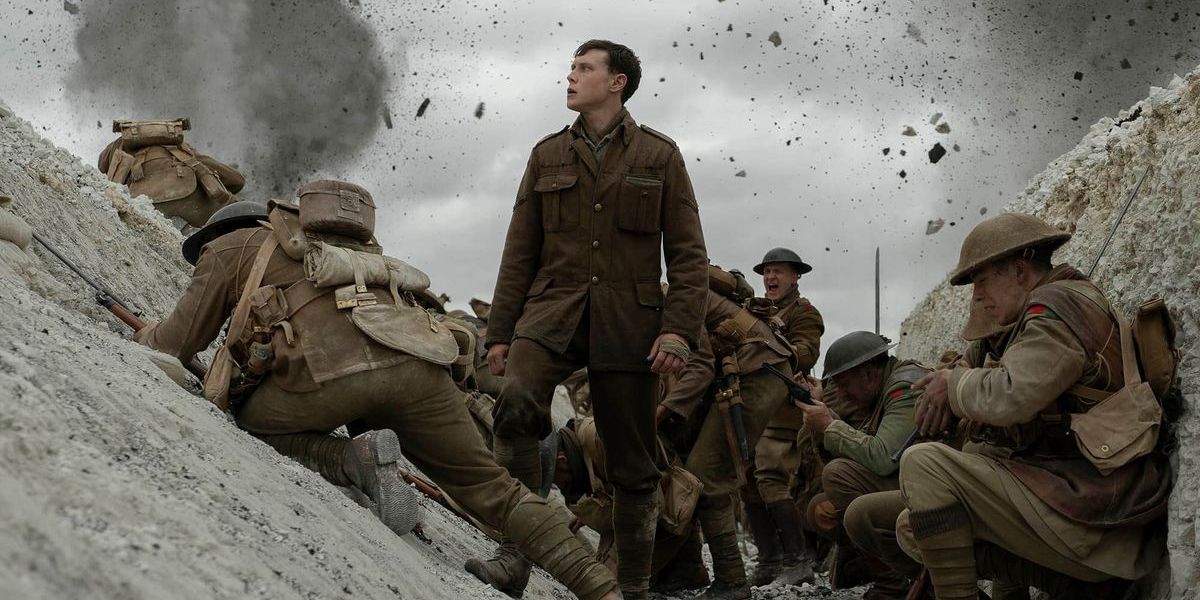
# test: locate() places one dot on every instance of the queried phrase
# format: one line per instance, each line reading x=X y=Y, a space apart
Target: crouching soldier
x=865 y=376
x=324 y=332
x=1043 y=495
x=152 y=158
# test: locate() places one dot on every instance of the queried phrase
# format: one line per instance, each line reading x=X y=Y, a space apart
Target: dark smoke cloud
x=286 y=89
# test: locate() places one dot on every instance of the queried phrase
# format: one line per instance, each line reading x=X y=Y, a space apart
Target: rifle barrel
x=70 y=265
x=1117 y=223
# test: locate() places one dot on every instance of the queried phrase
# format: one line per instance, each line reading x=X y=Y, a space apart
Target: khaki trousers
x=842 y=481
x=711 y=460
x=935 y=476
x=776 y=458
x=870 y=522
x=418 y=401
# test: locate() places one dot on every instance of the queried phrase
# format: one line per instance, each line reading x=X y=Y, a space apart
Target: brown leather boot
x=371 y=464
x=796 y=567
x=507 y=570
x=766 y=539
x=367 y=463
x=685 y=570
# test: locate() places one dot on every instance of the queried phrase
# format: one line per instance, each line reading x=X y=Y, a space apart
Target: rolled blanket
x=328 y=266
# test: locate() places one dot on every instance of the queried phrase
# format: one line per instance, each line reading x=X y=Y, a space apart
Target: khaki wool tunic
x=589 y=235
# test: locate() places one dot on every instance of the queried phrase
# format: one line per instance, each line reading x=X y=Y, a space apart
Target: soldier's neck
x=600 y=121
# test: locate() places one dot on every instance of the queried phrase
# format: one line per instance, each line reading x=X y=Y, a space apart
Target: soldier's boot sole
x=794 y=571
x=764 y=574
x=724 y=591
x=375 y=455
x=507 y=571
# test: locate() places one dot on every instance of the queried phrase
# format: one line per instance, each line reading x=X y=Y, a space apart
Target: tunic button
x=597 y=207
x=595 y=280
x=596 y=244
x=1103 y=448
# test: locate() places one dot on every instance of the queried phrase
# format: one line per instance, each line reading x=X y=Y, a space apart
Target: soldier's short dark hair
x=620 y=60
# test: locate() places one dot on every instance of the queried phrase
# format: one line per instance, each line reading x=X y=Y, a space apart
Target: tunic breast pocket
x=560 y=201
x=640 y=204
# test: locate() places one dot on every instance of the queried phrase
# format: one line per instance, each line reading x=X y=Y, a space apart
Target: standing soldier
x=1024 y=498
x=603 y=203
x=742 y=401
x=322 y=336
x=772 y=512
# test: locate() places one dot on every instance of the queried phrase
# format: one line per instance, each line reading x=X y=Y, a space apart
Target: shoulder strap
x=238 y=322
x=1129 y=363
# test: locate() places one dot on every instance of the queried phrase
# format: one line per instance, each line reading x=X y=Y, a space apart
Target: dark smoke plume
x=285 y=89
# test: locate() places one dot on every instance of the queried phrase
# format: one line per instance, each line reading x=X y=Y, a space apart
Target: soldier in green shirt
x=860 y=452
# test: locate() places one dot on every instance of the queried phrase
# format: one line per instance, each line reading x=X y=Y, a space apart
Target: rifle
x=1117 y=223
x=916 y=435
x=106 y=298
x=797 y=392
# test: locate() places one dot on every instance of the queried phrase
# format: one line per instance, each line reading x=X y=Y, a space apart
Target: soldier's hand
x=818 y=416
x=663 y=361
x=814 y=387
x=933 y=415
x=497 y=356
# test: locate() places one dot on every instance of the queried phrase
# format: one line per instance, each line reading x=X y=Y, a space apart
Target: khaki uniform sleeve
x=875 y=451
x=805 y=327
x=1039 y=365
x=688 y=392
x=519 y=263
x=199 y=314
x=684 y=254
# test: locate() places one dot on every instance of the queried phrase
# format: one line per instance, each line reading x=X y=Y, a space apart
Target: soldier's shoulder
x=239 y=239
x=552 y=136
x=660 y=136
x=906 y=373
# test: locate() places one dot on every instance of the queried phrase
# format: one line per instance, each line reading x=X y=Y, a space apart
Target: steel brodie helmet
x=782 y=255
x=231 y=217
x=852 y=350
x=1001 y=236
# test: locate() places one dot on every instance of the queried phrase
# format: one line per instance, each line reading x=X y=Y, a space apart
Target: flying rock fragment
x=934 y=226
x=421 y=109
x=909 y=131
x=775 y=39
x=479 y=111
x=936 y=153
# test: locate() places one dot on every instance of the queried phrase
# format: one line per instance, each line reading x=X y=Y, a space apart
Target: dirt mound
x=120 y=484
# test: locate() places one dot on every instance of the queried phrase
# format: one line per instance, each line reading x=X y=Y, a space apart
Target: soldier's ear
x=618 y=83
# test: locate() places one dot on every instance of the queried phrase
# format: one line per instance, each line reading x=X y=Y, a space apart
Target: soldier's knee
x=920 y=461
x=839 y=475
x=521 y=412
x=857 y=521
x=905 y=539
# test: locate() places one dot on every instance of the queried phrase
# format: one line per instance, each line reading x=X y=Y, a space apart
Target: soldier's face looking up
x=778 y=279
x=1000 y=289
x=590 y=84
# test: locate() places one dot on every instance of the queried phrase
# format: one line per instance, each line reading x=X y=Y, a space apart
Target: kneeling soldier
x=865 y=376
x=324 y=332
x=1023 y=500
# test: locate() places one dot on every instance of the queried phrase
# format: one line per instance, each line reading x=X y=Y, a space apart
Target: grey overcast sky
x=792 y=115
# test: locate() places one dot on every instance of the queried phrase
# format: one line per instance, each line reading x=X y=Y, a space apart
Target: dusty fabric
x=589 y=236
x=1002 y=511
x=802 y=326
x=870 y=522
x=890 y=425
x=710 y=459
x=842 y=481
x=758 y=346
x=775 y=460
x=326 y=343
x=622 y=403
x=1065 y=337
